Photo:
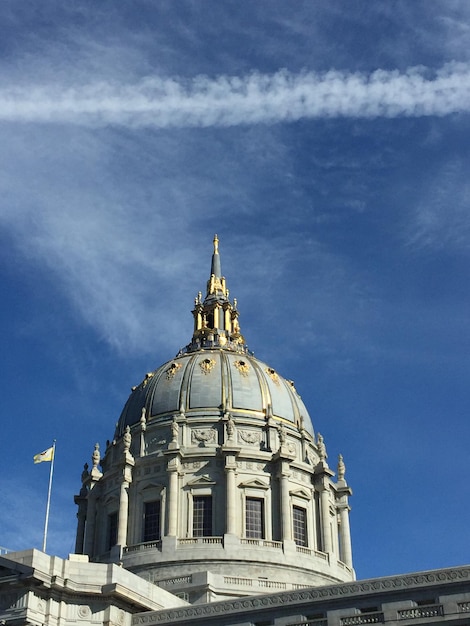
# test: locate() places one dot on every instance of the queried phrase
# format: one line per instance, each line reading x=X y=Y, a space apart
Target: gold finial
x=216 y=244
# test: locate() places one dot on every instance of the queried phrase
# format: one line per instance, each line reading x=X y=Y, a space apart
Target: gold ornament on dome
x=207 y=365
x=273 y=375
x=171 y=371
x=147 y=378
x=243 y=367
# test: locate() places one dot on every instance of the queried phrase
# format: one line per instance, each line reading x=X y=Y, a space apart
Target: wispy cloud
x=441 y=220
x=256 y=98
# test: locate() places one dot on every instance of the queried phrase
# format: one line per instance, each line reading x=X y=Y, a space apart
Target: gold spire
x=216 y=318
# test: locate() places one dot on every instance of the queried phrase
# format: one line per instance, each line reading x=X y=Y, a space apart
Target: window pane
x=202 y=516
x=254 y=518
x=300 y=526
x=112 y=530
x=151 y=530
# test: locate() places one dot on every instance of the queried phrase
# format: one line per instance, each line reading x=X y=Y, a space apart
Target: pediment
x=254 y=484
x=201 y=481
x=151 y=486
x=302 y=493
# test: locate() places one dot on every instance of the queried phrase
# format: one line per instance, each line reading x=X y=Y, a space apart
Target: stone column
x=81 y=517
x=93 y=491
x=90 y=527
x=345 y=534
x=286 y=526
x=123 y=514
x=230 y=523
x=172 y=498
x=230 y=452
x=325 y=519
x=228 y=321
x=127 y=465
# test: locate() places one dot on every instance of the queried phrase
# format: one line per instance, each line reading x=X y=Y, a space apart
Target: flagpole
x=48 y=498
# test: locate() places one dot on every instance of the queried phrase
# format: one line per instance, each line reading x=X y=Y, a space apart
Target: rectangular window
x=202 y=516
x=254 y=518
x=151 y=530
x=112 y=530
x=299 y=518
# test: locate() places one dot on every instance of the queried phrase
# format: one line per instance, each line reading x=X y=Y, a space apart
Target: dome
x=214 y=484
x=209 y=382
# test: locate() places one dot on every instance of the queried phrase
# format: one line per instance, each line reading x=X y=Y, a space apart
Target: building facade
x=215 y=473
x=214 y=504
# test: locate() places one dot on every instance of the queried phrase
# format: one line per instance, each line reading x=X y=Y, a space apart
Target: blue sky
x=327 y=143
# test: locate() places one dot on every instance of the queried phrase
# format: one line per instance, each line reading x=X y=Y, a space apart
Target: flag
x=47 y=455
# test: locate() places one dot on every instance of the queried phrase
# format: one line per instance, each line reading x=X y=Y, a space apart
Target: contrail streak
x=253 y=99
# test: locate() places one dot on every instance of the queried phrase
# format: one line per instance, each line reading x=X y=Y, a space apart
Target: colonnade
x=333 y=503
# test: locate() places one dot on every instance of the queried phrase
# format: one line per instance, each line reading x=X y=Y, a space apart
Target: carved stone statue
x=341 y=468
x=230 y=427
x=95 y=457
x=282 y=434
x=127 y=438
x=85 y=472
x=321 y=448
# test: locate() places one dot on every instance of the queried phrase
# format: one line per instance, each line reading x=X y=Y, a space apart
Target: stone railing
x=304 y=550
x=149 y=545
x=179 y=580
x=363 y=618
x=271 y=584
x=4 y=550
x=463 y=607
x=261 y=583
x=236 y=580
x=191 y=541
x=311 y=622
x=263 y=543
x=432 y=610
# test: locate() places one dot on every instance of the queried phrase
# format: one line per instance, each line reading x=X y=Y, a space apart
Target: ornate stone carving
x=95 y=457
x=174 y=430
x=321 y=448
x=84 y=611
x=207 y=365
x=171 y=371
x=155 y=444
x=341 y=468
x=127 y=439
x=290 y=597
x=250 y=437
x=243 y=367
x=203 y=435
x=230 y=427
x=273 y=375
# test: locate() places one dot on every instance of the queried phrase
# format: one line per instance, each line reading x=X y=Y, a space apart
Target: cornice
x=308 y=595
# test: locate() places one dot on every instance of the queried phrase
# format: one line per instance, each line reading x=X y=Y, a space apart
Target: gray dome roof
x=215 y=372
x=211 y=382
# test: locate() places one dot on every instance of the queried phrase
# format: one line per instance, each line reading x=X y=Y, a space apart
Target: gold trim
x=243 y=367
x=207 y=365
x=147 y=378
x=171 y=371
x=273 y=375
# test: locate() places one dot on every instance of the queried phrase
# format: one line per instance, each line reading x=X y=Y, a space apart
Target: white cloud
x=230 y=100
